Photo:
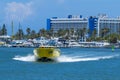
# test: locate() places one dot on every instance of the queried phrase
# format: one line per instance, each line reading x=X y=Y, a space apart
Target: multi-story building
x=99 y=24
x=75 y=22
x=111 y=24
x=92 y=24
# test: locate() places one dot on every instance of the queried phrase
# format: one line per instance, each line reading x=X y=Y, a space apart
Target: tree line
x=3 y=30
x=80 y=33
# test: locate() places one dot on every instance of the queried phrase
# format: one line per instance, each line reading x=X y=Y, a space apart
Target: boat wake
x=28 y=58
x=66 y=58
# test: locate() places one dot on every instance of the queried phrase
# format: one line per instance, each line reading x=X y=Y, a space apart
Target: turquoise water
x=73 y=64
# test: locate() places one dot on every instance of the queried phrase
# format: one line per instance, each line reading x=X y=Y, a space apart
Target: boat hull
x=46 y=54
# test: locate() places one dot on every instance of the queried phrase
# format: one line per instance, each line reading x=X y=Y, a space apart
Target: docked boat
x=46 y=53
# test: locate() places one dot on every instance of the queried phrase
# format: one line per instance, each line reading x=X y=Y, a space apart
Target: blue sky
x=33 y=13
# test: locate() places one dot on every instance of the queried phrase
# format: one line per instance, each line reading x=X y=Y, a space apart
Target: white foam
x=65 y=58
x=28 y=58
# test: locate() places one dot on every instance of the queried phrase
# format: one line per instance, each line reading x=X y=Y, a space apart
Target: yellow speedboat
x=45 y=54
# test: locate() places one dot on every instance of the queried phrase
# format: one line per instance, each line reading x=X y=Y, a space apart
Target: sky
x=33 y=13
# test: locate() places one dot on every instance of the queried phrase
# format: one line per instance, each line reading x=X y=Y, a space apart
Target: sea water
x=73 y=64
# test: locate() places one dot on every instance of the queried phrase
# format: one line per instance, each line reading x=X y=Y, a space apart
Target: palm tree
x=113 y=38
x=19 y=35
x=71 y=31
x=104 y=31
x=43 y=32
x=81 y=33
x=61 y=32
x=84 y=32
x=4 y=30
x=33 y=34
x=67 y=33
x=28 y=30
x=50 y=32
x=94 y=34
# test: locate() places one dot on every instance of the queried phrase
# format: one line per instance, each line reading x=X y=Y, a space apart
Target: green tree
x=43 y=32
x=71 y=31
x=61 y=32
x=104 y=31
x=67 y=33
x=50 y=33
x=113 y=38
x=81 y=33
x=33 y=34
x=19 y=35
x=94 y=34
x=4 y=30
x=84 y=32
x=28 y=31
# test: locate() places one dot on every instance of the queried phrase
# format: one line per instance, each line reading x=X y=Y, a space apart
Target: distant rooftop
x=5 y=36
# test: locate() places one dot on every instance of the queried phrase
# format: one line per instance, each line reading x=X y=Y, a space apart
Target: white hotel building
x=113 y=24
x=91 y=23
x=75 y=22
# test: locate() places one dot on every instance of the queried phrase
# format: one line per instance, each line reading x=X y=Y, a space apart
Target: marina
x=5 y=41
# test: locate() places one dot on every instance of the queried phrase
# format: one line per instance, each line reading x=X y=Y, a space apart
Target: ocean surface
x=73 y=64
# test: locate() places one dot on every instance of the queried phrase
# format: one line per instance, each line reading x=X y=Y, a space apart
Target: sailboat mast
x=12 y=28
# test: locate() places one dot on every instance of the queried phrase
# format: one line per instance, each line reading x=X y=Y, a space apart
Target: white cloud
x=18 y=11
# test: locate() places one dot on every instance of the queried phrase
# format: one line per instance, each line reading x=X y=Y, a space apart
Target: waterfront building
x=92 y=24
x=104 y=25
x=5 y=38
x=110 y=25
x=98 y=24
x=71 y=22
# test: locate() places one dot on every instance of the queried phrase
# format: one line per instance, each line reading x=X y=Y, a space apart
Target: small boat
x=46 y=53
